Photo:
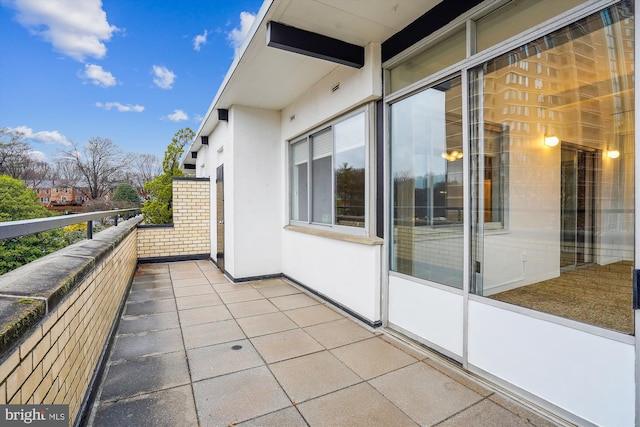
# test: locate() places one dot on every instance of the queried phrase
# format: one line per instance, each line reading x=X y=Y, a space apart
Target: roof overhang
x=271 y=78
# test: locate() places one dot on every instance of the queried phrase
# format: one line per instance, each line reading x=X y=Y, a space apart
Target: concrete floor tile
x=289 y=417
x=197 y=316
x=358 y=405
x=206 y=265
x=457 y=375
x=265 y=324
x=278 y=290
x=268 y=283
x=138 y=308
x=240 y=396
x=145 y=375
x=148 y=269
x=285 y=345
x=486 y=413
x=241 y=295
x=338 y=333
x=183 y=265
x=521 y=411
x=147 y=344
x=151 y=278
x=312 y=315
x=150 y=294
x=251 y=308
x=289 y=302
x=215 y=360
x=425 y=394
x=148 y=322
x=187 y=291
x=196 y=301
x=211 y=333
x=187 y=274
x=313 y=375
x=140 y=285
x=170 y=408
x=411 y=350
x=194 y=281
x=373 y=357
x=215 y=276
x=230 y=287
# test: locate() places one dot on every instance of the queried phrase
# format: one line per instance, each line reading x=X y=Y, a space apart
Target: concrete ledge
x=363 y=240
x=30 y=291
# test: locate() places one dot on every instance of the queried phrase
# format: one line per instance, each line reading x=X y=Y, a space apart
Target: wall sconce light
x=551 y=140
x=613 y=154
x=452 y=156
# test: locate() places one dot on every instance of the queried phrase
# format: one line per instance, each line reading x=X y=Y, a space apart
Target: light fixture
x=613 y=154
x=551 y=140
x=452 y=156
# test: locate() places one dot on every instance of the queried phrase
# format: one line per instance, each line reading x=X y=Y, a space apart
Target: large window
x=328 y=174
x=427 y=184
x=552 y=148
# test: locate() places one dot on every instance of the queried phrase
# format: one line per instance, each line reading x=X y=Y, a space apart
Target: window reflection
x=427 y=192
x=570 y=208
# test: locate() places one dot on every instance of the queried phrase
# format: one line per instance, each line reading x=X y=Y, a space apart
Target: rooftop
x=192 y=348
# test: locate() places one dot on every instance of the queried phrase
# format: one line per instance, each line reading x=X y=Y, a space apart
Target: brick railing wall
x=53 y=358
x=188 y=236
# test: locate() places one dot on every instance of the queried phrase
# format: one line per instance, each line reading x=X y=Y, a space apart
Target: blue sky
x=134 y=71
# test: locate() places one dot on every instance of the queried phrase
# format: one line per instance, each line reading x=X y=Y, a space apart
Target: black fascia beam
x=432 y=20
x=315 y=45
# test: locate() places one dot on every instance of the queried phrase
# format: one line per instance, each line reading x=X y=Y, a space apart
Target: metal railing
x=11 y=229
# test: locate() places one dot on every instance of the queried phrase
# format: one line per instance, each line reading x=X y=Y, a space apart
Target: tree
x=18 y=202
x=36 y=172
x=159 y=208
x=99 y=164
x=147 y=167
x=14 y=153
x=126 y=196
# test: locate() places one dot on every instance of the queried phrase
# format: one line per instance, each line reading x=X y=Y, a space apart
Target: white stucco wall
x=346 y=272
x=253 y=194
x=320 y=104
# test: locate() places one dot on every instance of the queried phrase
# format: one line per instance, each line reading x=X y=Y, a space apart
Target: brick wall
x=56 y=359
x=189 y=234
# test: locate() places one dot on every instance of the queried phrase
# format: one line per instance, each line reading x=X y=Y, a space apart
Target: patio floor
x=194 y=349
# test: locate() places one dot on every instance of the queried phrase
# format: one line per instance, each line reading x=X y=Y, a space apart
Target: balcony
x=126 y=340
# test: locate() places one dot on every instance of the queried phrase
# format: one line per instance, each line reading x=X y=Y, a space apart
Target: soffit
x=272 y=78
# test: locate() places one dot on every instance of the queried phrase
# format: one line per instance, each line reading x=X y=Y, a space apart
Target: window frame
x=369 y=157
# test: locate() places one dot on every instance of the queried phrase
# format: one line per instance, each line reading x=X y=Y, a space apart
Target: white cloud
x=38 y=155
x=98 y=76
x=45 y=136
x=198 y=117
x=237 y=35
x=178 y=116
x=121 y=107
x=76 y=28
x=164 y=77
x=199 y=40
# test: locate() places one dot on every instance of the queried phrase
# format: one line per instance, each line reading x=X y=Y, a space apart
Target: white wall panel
x=253 y=194
x=585 y=374
x=348 y=273
x=430 y=313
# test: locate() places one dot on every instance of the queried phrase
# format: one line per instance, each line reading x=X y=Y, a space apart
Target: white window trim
x=369 y=149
